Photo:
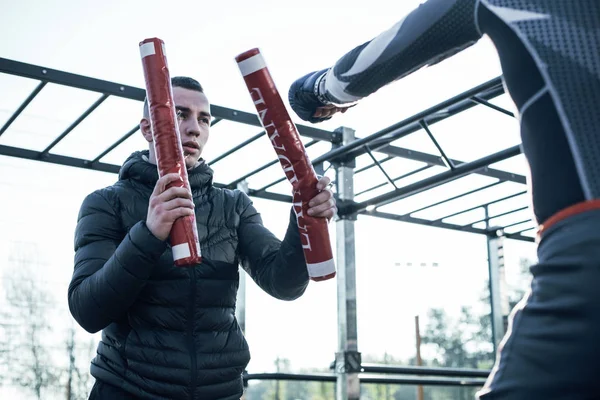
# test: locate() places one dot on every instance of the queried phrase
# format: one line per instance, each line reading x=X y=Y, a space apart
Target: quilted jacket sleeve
x=278 y=267
x=111 y=266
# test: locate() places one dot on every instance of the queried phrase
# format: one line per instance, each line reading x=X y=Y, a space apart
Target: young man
x=170 y=332
x=549 y=52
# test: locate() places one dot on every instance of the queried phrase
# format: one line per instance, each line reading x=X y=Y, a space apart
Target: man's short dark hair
x=178 y=81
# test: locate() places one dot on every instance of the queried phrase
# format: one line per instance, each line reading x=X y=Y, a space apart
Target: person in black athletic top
x=549 y=51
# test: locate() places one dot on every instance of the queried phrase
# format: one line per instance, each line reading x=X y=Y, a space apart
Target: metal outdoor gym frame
x=349 y=372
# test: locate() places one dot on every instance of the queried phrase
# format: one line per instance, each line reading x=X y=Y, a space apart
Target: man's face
x=193 y=115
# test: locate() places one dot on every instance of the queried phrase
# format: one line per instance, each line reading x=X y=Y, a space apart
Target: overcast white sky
x=39 y=201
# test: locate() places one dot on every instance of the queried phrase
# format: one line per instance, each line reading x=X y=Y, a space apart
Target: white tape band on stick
x=147 y=49
x=252 y=64
x=321 y=269
x=181 y=251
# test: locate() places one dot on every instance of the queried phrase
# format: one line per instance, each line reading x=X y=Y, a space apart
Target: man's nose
x=191 y=128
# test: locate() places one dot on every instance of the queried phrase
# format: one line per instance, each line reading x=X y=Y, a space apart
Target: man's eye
x=205 y=120
x=180 y=114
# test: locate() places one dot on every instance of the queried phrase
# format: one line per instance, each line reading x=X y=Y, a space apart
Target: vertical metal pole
x=495 y=268
x=504 y=299
x=420 y=392
x=240 y=303
x=240 y=310
x=348 y=358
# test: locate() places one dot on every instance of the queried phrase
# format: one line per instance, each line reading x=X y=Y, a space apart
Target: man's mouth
x=190 y=147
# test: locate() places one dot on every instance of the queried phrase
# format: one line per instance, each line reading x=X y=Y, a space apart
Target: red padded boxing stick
x=167 y=144
x=292 y=156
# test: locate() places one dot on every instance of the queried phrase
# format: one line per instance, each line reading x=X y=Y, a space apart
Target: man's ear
x=146 y=130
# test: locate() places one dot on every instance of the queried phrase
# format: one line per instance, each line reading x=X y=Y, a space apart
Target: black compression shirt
x=549 y=52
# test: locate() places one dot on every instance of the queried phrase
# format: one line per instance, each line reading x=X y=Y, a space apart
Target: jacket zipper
x=192 y=341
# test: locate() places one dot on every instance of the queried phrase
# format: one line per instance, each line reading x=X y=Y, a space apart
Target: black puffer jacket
x=170 y=332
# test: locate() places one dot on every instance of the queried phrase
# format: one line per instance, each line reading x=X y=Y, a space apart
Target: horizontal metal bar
x=422 y=221
x=279 y=376
x=441 y=107
x=115 y=144
x=514 y=224
x=444 y=177
x=83 y=116
x=401 y=218
x=520 y=232
x=261 y=194
x=406 y=175
x=129 y=92
x=68 y=79
x=262 y=189
x=57 y=159
x=429 y=371
x=111 y=168
x=215 y=121
x=433 y=160
x=389 y=380
x=457 y=108
x=497 y=216
x=436 y=224
x=262 y=168
x=365 y=379
x=492 y=106
x=236 y=148
x=252 y=119
x=479 y=189
x=381 y=146
x=272 y=184
x=367 y=167
x=482 y=205
x=22 y=107
x=119 y=90
x=251 y=173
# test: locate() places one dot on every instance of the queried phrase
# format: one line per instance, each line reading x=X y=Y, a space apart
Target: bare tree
x=6 y=335
x=29 y=305
x=79 y=352
x=70 y=344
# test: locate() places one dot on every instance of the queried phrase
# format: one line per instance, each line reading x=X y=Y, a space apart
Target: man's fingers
x=321 y=198
x=323 y=182
x=172 y=215
x=163 y=182
x=318 y=113
x=322 y=208
x=175 y=192
x=325 y=111
x=170 y=194
x=328 y=110
x=330 y=213
x=178 y=202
